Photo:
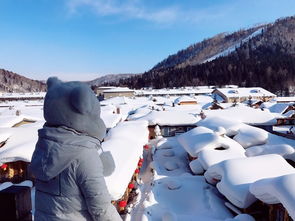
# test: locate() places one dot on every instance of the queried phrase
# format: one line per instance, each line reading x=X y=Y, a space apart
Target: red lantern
x=137 y=171
x=122 y=204
x=139 y=164
x=4 y=166
x=130 y=186
x=141 y=160
x=146 y=147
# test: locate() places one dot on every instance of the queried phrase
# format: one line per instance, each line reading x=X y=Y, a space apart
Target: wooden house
x=118 y=92
x=185 y=100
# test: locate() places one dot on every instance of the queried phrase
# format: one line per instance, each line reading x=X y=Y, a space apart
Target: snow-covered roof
x=140 y=112
x=118 y=89
x=201 y=138
x=285 y=99
x=125 y=142
x=213 y=122
x=244 y=114
x=115 y=101
x=179 y=91
x=20 y=144
x=184 y=99
x=234 y=176
x=245 y=92
x=170 y=118
x=285 y=150
x=276 y=190
x=23 y=95
x=278 y=108
x=250 y=136
x=111 y=120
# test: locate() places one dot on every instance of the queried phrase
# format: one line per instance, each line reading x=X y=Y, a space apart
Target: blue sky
x=85 y=39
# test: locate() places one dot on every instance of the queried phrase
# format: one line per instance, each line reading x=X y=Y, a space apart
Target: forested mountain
x=200 y=52
x=109 y=79
x=260 y=56
x=12 y=82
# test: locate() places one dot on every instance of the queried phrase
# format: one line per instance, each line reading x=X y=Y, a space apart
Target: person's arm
x=92 y=184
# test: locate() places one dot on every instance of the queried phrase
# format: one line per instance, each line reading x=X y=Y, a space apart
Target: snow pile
x=284 y=150
x=202 y=138
x=236 y=175
x=20 y=144
x=276 y=190
x=275 y=144
x=125 y=142
x=213 y=122
x=250 y=136
x=209 y=157
x=170 y=117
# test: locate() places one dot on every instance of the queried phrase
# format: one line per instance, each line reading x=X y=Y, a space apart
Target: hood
x=73 y=104
x=56 y=148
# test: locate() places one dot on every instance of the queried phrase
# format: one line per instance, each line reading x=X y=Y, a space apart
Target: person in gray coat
x=66 y=164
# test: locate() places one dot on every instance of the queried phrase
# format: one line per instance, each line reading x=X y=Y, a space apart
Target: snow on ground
x=233 y=47
x=185 y=196
x=173 y=192
x=234 y=177
x=169 y=158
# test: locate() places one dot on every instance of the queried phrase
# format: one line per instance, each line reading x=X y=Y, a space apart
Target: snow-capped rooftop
x=118 y=89
x=246 y=92
x=234 y=177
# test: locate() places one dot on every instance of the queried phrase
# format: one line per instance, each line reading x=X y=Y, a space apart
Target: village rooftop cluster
x=191 y=153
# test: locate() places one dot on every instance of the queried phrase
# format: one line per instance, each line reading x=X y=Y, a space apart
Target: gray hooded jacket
x=69 y=173
x=69 y=177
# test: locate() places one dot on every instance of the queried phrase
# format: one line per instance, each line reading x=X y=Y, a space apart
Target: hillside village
x=190 y=153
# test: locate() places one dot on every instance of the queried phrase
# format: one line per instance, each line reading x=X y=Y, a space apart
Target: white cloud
x=135 y=9
x=132 y=9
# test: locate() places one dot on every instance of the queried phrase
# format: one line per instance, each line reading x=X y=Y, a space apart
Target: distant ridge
x=263 y=55
x=209 y=48
x=110 y=79
x=12 y=82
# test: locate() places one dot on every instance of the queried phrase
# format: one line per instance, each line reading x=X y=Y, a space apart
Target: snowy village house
x=118 y=92
x=232 y=95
